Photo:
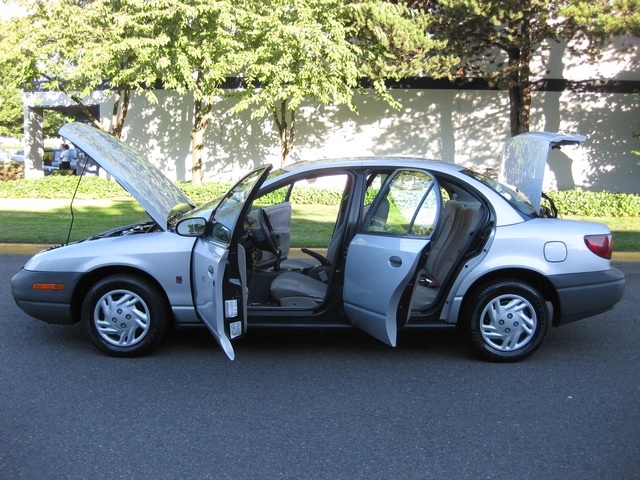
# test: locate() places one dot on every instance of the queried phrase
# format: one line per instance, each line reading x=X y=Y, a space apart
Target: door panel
x=208 y=264
x=377 y=273
x=220 y=292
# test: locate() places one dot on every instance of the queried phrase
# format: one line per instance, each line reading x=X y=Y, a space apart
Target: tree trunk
x=201 y=121
x=118 y=113
x=519 y=86
x=197 y=141
x=120 y=110
x=519 y=83
x=286 y=131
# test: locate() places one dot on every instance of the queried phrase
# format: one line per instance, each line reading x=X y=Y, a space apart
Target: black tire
x=125 y=315
x=506 y=321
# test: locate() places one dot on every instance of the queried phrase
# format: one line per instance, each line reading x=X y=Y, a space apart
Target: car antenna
x=72 y=200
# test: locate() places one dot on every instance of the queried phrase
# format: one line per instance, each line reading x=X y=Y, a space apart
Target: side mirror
x=191 y=227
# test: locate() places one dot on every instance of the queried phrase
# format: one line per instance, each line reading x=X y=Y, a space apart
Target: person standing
x=65 y=157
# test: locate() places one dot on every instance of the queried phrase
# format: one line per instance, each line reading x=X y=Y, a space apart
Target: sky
x=9 y=9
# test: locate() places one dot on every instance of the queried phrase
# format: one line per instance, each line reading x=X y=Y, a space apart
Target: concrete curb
x=21 y=248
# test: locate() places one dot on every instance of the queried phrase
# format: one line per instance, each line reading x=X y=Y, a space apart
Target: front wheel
x=125 y=316
x=506 y=321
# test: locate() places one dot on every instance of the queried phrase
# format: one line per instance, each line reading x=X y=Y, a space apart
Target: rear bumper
x=583 y=295
x=46 y=305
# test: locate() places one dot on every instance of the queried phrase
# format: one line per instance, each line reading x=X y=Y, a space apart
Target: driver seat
x=293 y=289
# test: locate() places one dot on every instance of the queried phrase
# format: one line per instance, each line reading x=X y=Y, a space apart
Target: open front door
x=220 y=291
x=218 y=264
x=384 y=257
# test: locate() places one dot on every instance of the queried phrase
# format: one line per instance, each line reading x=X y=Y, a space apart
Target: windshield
x=229 y=209
x=205 y=210
x=515 y=198
x=223 y=212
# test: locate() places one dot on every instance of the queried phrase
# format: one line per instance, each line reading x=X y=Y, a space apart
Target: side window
x=408 y=206
x=272 y=198
x=315 y=207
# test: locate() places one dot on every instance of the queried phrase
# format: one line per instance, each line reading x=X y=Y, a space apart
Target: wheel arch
x=90 y=278
x=535 y=279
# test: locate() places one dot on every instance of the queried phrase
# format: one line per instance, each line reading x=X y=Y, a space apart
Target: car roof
x=308 y=166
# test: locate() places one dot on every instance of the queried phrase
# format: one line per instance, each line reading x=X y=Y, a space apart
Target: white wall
x=468 y=127
x=465 y=127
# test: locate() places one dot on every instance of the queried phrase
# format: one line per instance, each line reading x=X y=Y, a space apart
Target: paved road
x=336 y=405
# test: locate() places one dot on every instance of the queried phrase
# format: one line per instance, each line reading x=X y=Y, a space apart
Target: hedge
x=570 y=202
x=596 y=204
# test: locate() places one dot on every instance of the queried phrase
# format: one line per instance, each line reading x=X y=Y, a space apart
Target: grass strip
x=47 y=222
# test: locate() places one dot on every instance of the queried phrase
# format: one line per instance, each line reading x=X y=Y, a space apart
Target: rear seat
x=459 y=224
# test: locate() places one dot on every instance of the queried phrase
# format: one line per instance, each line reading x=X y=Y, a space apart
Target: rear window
x=515 y=198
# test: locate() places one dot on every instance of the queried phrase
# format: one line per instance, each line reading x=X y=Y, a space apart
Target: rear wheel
x=125 y=316
x=506 y=321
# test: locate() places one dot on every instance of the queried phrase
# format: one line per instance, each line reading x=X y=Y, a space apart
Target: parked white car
x=415 y=244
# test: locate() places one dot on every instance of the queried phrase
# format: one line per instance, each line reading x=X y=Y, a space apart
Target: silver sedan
x=411 y=244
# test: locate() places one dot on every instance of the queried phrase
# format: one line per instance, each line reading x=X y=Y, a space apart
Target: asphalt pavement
x=329 y=405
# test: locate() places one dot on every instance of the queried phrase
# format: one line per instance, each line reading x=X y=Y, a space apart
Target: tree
x=299 y=51
x=201 y=50
x=73 y=46
x=11 y=123
x=12 y=114
x=497 y=40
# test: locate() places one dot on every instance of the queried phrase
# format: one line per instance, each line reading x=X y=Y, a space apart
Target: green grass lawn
x=51 y=225
x=626 y=231
x=48 y=222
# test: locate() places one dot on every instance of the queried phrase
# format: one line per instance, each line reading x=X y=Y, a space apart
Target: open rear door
x=379 y=273
x=218 y=265
x=383 y=259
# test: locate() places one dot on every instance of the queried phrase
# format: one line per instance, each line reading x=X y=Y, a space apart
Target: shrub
x=596 y=204
x=569 y=202
x=63 y=172
x=205 y=192
x=11 y=171
x=62 y=186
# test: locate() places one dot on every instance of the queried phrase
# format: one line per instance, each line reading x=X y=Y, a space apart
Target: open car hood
x=524 y=160
x=148 y=185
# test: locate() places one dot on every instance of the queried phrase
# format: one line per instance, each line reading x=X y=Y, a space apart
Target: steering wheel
x=271 y=241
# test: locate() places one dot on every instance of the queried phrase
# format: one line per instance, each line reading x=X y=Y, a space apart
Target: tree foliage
x=289 y=53
x=201 y=50
x=11 y=116
x=77 y=47
x=299 y=51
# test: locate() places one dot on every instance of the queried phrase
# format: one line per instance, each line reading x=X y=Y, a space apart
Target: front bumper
x=583 y=295
x=51 y=306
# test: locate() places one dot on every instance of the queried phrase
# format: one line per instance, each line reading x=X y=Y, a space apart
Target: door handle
x=395 y=262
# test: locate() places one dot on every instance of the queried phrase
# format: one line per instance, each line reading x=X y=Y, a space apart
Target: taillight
x=601 y=245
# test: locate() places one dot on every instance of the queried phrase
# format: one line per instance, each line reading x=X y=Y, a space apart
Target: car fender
x=163 y=256
x=526 y=247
